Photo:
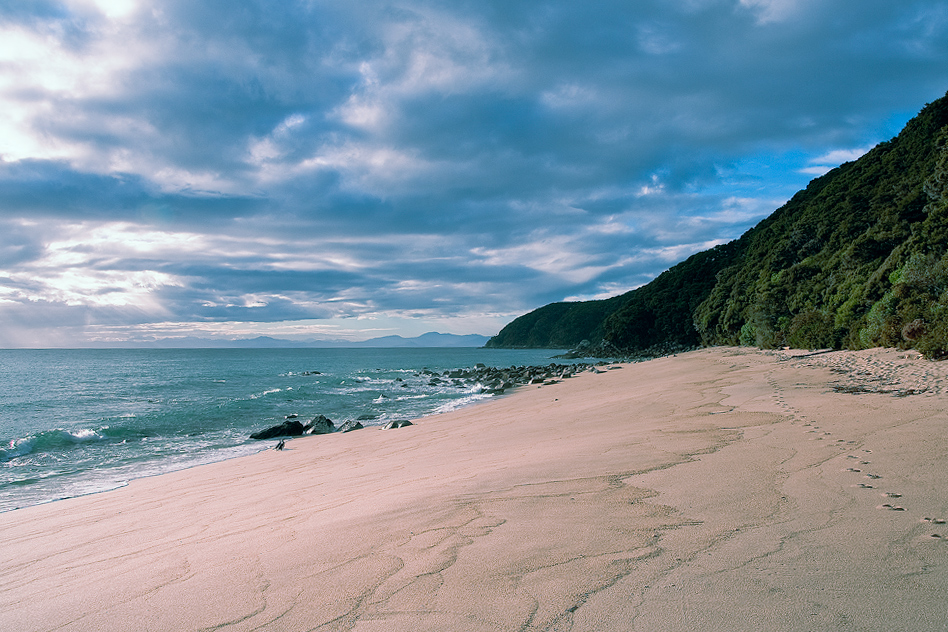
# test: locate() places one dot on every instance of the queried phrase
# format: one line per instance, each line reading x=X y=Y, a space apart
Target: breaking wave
x=59 y=440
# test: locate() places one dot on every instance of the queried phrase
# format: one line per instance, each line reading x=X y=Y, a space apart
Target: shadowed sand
x=723 y=489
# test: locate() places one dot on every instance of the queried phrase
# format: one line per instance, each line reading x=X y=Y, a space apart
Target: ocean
x=75 y=422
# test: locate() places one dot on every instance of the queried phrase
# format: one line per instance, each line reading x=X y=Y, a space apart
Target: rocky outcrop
x=293 y=428
x=495 y=381
x=485 y=379
x=319 y=425
x=396 y=423
x=289 y=428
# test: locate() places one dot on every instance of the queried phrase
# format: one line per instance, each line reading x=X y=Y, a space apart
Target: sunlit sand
x=722 y=489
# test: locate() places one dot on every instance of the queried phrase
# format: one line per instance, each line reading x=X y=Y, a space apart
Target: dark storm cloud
x=52 y=189
x=267 y=161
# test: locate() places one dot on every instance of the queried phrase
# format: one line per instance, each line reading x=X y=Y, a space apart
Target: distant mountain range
x=430 y=339
x=858 y=259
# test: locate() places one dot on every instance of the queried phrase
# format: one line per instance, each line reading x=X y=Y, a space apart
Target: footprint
x=863 y=486
x=852 y=469
x=891 y=507
x=891 y=495
x=933 y=520
x=873 y=476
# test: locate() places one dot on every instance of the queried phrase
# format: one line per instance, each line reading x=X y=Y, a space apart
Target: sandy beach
x=722 y=489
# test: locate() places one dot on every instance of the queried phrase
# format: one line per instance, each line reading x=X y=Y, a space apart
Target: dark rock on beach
x=319 y=425
x=396 y=423
x=293 y=428
x=350 y=425
x=290 y=428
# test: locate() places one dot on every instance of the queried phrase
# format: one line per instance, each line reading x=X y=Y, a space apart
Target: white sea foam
x=265 y=393
x=17 y=448
x=462 y=402
x=86 y=434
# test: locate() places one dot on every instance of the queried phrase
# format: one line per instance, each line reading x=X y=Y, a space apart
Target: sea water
x=76 y=422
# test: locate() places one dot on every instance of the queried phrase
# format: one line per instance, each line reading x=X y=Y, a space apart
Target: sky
x=307 y=169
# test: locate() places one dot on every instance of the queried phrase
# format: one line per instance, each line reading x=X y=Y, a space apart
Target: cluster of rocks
x=320 y=424
x=605 y=349
x=493 y=380
x=293 y=427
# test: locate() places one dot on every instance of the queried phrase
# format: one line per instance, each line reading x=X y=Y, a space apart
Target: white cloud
x=76 y=269
x=113 y=9
x=41 y=75
x=822 y=164
x=570 y=95
x=655 y=40
x=839 y=156
x=775 y=10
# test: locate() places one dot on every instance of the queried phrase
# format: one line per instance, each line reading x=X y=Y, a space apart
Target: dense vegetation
x=558 y=325
x=857 y=259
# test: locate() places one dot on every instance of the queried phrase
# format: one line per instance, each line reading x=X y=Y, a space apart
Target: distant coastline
x=429 y=340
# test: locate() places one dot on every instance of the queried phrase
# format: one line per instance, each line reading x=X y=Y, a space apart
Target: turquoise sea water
x=75 y=422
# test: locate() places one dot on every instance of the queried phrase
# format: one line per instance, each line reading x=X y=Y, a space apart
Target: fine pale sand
x=722 y=489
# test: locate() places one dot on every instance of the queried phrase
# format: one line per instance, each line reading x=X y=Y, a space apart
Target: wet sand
x=724 y=489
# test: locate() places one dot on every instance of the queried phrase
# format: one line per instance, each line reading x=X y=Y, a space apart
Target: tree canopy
x=857 y=259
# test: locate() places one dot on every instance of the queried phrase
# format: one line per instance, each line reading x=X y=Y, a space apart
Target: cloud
x=822 y=164
x=255 y=162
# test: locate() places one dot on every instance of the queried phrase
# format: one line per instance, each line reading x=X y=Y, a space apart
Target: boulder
x=290 y=428
x=319 y=425
x=396 y=423
x=350 y=425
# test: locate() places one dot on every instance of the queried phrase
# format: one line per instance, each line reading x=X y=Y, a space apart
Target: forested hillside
x=857 y=259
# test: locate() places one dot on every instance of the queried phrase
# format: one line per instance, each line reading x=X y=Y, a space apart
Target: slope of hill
x=857 y=259
x=558 y=325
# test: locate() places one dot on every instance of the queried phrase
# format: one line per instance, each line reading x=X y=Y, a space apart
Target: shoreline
x=32 y=446
x=723 y=488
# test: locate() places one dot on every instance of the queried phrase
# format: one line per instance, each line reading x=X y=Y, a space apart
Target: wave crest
x=60 y=440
